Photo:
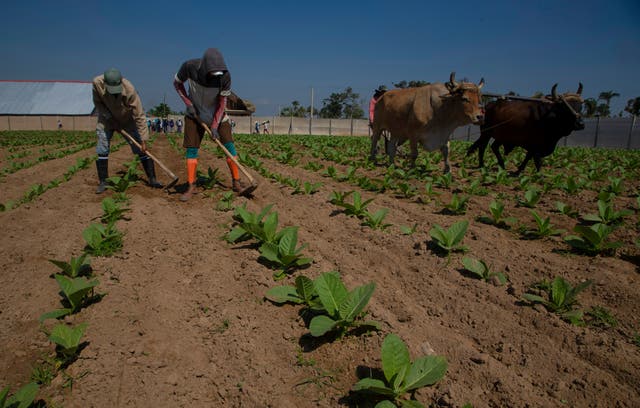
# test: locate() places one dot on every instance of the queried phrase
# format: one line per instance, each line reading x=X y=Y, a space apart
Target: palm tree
x=607 y=96
x=590 y=107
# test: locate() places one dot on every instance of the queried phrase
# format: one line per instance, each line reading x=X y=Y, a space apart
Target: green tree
x=342 y=105
x=296 y=110
x=606 y=96
x=162 y=111
x=410 y=84
x=603 y=110
x=633 y=106
x=590 y=107
x=538 y=94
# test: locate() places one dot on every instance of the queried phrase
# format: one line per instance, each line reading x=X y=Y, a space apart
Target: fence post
x=468 y=133
x=595 y=140
x=633 y=123
x=329 y=127
x=290 y=124
x=351 y=130
x=9 y=122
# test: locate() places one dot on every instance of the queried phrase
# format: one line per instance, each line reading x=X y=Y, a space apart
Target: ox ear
x=554 y=94
x=480 y=84
x=579 y=91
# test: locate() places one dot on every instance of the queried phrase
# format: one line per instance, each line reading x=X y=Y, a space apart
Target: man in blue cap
x=119 y=108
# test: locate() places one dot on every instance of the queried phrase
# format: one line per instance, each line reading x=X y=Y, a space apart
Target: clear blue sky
x=277 y=51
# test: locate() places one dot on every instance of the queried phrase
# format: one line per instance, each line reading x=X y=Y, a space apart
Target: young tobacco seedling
x=303 y=293
x=120 y=184
x=209 y=180
x=566 y=209
x=531 y=198
x=75 y=267
x=401 y=376
x=449 y=240
x=23 y=398
x=76 y=295
x=311 y=188
x=480 y=269
x=592 y=240
x=496 y=208
x=358 y=208
x=226 y=202
x=67 y=341
x=251 y=225
x=408 y=230
x=458 y=204
x=544 y=228
x=607 y=215
x=343 y=308
x=376 y=220
x=338 y=197
x=562 y=299
x=599 y=316
x=112 y=211
x=284 y=253
x=102 y=240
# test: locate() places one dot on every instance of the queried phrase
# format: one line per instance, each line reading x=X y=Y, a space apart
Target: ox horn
x=579 y=91
x=452 y=80
x=554 y=94
x=481 y=83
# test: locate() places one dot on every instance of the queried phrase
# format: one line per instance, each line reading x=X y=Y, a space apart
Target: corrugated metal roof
x=45 y=98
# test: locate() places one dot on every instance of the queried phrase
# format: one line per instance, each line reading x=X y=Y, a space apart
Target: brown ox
x=427 y=115
x=534 y=125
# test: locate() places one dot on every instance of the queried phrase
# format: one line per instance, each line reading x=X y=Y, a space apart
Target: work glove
x=192 y=112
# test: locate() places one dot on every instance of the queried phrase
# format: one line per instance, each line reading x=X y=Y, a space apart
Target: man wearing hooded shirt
x=209 y=86
x=119 y=108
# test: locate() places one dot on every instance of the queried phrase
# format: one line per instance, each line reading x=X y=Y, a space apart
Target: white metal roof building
x=46 y=98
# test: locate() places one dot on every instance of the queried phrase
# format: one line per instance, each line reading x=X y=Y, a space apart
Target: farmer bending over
x=119 y=108
x=209 y=86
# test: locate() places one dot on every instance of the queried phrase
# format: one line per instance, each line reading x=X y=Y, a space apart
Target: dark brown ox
x=534 y=125
x=427 y=115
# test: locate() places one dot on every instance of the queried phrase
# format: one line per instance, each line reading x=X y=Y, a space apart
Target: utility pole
x=311 y=112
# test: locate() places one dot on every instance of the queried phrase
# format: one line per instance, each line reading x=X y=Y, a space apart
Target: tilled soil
x=183 y=321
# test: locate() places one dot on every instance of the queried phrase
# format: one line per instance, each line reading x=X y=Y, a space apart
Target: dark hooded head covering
x=212 y=61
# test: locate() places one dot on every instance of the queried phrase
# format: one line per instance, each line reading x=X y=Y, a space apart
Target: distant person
x=257 y=128
x=149 y=125
x=165 y=125
x=119 y=108
x=265 y=127
x=209 y=86
x=179 y=125
x=377 y=94
x=171 y=125
x=59 y=124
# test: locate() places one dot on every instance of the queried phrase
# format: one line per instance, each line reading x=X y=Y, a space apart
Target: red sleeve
x=217 y=117
x=182 y=92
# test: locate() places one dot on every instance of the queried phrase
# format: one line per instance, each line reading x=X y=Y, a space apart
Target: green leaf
x=269 y=250
x=270 y=226
x=288 y=241
x=283 y=294
x=55 y=314
x=321 y=324
x=355 y=302
x=75 y=289
x=374 y=386
x=457 y=231
x=534 y=298
x=411 y=404
x=305 y=288
x=23 y=397
x=425 y=371
x=476 y=266
x=3 y=396
x=394 y=355
x=559 y=291
x=331 y=291
x=67 y=337
x=385 y=404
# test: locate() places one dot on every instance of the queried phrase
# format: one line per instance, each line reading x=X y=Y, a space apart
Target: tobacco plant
x=303 y=293
x=67 y=341
x=401 y=376
x=544 y=228
x=376 y=220
x=449 y=240
x=284 y=252
x=496 y=209
x=112 y=211
x=76 y=292
x=531 y=198
x=226 y=201
x=482 y=271
x=592 y=240
x=457 y=205
x=209 y=180
x=358 y=208
x=75 y=267
x=251 y=225
x=562 y=299
x=23 y=398
x=607 y=215
x=566 y=209
x=343 y=309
